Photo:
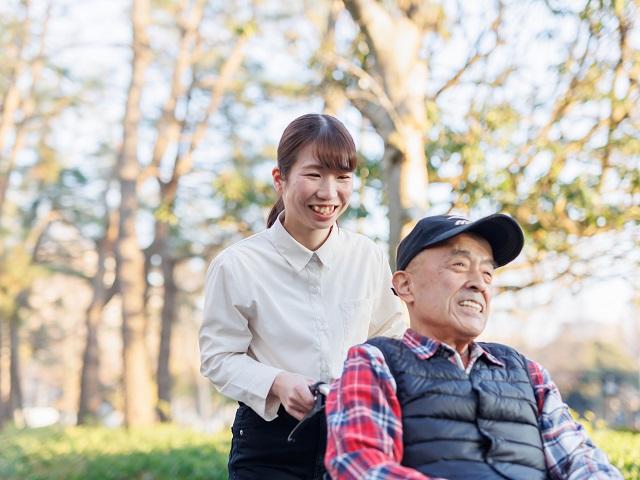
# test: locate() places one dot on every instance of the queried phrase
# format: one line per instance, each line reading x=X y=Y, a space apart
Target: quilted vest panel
x=481 y=425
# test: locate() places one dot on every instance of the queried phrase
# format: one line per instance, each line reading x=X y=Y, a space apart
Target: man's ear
x=403 y=286
x=278 y=180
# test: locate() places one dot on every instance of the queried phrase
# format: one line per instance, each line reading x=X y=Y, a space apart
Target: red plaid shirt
x=365 y=420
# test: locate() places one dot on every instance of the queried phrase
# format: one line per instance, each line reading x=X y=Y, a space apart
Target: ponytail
x=275 y=211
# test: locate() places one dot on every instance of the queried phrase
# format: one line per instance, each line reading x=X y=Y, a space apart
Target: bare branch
x=11 y=101
x=617 y=113
x=477 y=55
x=564 y=101
x=368 y=84
x=168 y=127
x=218 y=88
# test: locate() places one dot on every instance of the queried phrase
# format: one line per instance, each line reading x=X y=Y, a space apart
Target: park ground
x=171 y=452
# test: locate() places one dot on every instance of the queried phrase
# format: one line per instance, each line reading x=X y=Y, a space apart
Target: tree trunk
x=11 y=98
x=3 y=403
x=167 y=317
x=162 y=247
x=399 y=115
x=15 y=390
x=392 y=161
x=89 y=378
x=90 y=396
x=138 y=387
x=182 y=165
x=137 y=382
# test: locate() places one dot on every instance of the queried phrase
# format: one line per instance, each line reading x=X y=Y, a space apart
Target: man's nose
x=477 y=281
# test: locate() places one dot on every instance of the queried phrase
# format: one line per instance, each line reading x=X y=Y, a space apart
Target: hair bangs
x=335 y=149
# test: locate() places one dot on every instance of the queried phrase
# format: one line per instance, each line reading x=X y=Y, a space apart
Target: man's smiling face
x=449 y=289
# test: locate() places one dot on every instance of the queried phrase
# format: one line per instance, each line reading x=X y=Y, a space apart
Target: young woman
x=283 y=306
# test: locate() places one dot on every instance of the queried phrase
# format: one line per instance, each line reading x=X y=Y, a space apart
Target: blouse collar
x=296 y=254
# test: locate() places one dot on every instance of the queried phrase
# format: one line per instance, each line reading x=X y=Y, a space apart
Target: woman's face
x=314 y=197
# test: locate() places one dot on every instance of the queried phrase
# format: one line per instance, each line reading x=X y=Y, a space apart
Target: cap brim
x=501 y=231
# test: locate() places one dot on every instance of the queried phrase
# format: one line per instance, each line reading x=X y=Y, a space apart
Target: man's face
x=447 y=289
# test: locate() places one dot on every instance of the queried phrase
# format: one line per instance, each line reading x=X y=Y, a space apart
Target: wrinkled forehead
x=468 y=239
x=465 y=244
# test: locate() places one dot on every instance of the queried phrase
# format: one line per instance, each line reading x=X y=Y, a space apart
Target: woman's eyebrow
x=313 y=166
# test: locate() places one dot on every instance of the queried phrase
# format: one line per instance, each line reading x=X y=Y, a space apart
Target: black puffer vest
x=481 y=425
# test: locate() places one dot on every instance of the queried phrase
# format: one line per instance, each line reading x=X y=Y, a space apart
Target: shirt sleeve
x=225 y=338
x=569 y=452
x=364 y=423
x=390 y=317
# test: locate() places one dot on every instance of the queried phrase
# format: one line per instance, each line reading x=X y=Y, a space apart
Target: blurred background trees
x=137 y=139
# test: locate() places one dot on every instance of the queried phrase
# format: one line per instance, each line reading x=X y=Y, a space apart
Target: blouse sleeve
x=390 y=317
x=224 y=340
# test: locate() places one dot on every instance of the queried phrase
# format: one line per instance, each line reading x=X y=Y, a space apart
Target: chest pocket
x=356 y=318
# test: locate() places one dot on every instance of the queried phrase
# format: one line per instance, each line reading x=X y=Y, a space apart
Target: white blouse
x=271 y=305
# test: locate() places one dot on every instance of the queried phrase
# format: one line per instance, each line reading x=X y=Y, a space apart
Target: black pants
x=260 y=451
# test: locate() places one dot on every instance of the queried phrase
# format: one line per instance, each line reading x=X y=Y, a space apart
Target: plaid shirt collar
x=425 y=347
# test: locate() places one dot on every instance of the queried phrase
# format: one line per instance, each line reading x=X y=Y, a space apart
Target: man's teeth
x=323 y=210
x=471 y=304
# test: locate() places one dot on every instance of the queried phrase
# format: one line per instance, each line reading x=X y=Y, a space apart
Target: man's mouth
x=472 y=304
x=324 y=209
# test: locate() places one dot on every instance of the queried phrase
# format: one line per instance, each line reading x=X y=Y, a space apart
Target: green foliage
x=239 y=190
x=17 y=273
x=162 y=452
x=563 y=161
x=170 y=452
x=622 y=448
x=165 y=213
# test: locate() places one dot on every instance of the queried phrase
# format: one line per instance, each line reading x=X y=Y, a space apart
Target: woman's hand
x=293 y=392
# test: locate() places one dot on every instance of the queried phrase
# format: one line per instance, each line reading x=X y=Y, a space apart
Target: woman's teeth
x=323 y=210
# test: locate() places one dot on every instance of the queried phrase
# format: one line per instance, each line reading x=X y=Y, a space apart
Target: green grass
x=80 y=453
x=171 y=452
x=623 y=449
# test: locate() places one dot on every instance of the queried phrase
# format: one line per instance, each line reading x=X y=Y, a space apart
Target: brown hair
x=333 y=148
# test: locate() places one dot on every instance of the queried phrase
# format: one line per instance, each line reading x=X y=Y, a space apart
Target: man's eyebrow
x=467 y=254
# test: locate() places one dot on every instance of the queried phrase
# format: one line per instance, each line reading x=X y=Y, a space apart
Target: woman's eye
x=313 y=175
x=344 y=177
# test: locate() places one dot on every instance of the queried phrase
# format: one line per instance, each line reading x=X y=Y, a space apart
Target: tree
x=90 y=388
x=139 y=396
x=559 y=151
x=176 y=131
x=496 y=138
x=387 y=81
x=27 y=107
x=394 y=99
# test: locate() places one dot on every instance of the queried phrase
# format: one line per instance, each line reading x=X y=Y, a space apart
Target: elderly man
x=438 y=404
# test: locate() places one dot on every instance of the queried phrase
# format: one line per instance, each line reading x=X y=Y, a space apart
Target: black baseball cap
x=501 y=231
